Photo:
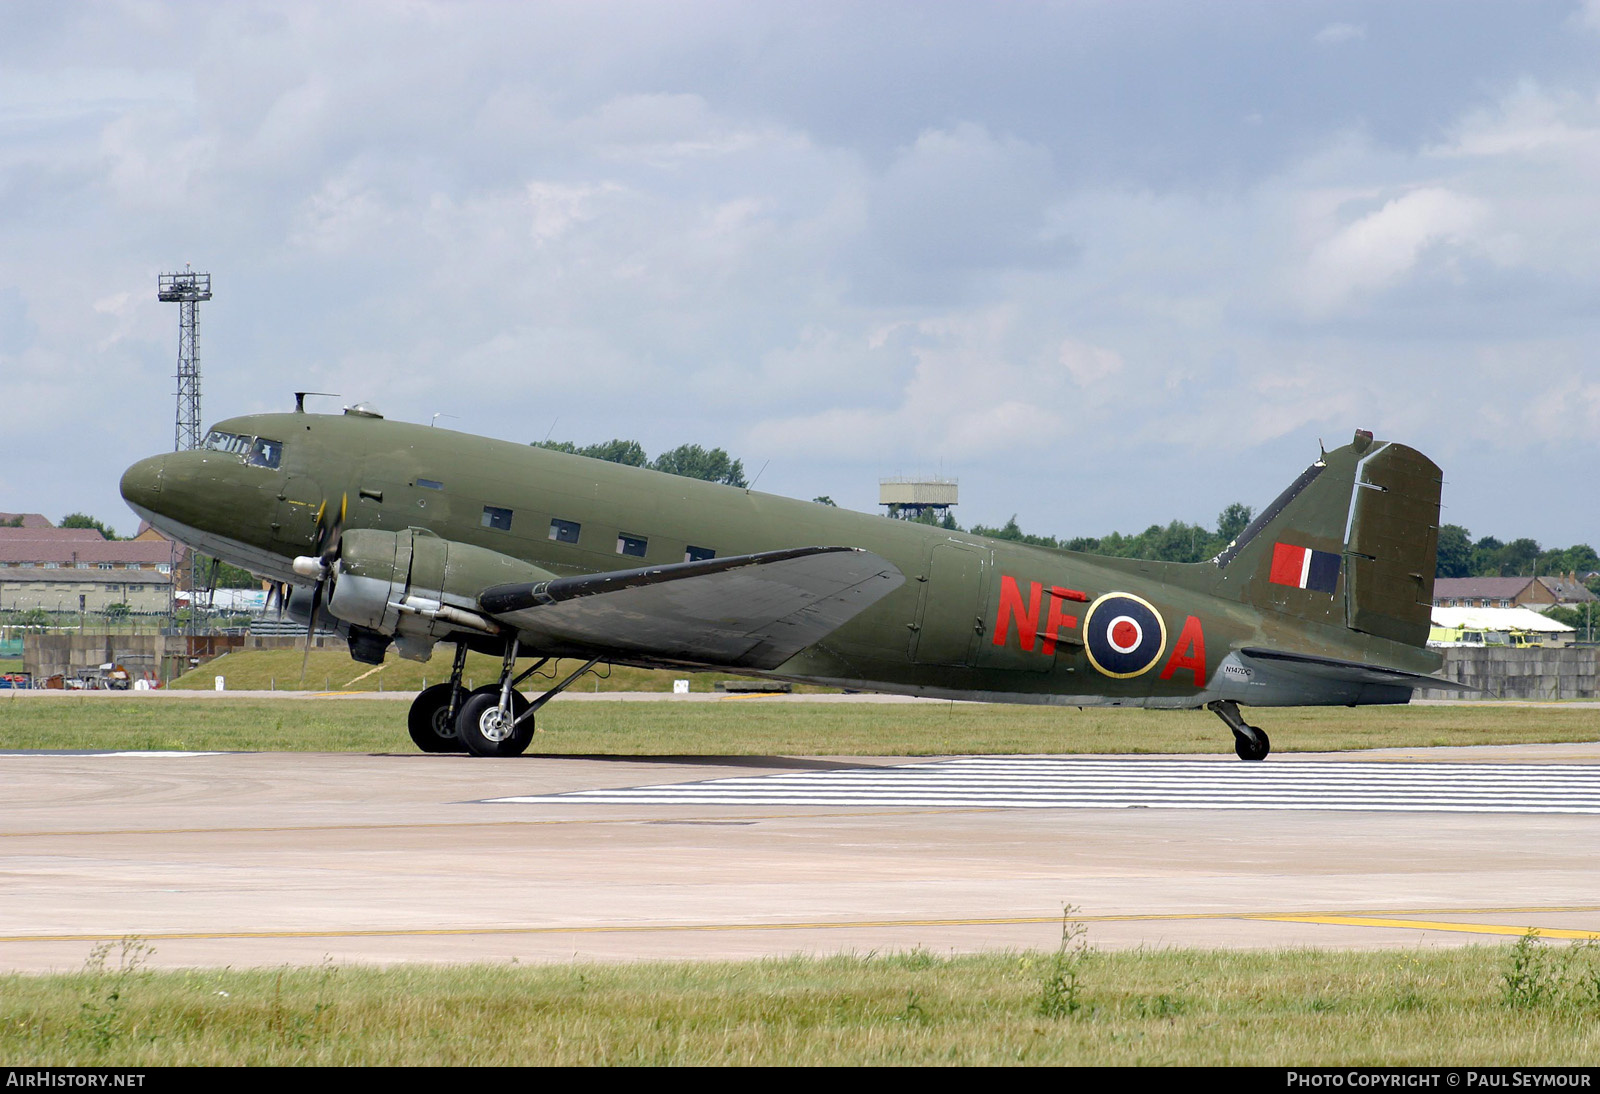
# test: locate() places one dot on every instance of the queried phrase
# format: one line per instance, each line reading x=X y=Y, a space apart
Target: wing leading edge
x=749 y=611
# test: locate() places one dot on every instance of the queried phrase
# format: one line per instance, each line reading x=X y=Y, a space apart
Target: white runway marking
x=1053 y=782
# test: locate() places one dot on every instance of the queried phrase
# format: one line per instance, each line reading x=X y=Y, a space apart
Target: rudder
x=1391 y=548
x=1351 y=542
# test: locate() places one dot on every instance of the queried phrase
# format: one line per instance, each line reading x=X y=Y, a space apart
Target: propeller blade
x=330 y=548
x=318 y=529
x=311 y=629
x=325 y=548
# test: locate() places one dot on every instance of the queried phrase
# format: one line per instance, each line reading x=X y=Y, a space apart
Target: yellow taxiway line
x=1431 y=925
x=1334 y=919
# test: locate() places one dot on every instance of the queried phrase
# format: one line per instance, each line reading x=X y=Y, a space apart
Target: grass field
x=1531 y=1003
x=757 y=726
x=331 y=670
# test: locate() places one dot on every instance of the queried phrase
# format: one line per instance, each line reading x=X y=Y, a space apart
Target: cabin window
x=430 y=484
x=564 y=531
x=497 y=518
x=698 y=554
x=633 y=546
x=265 y=453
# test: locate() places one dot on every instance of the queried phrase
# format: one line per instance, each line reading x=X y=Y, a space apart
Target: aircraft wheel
x=1252 y=745
x=484 y=733
x=429 y=721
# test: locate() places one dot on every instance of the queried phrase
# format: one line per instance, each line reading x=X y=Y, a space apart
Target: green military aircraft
x=412 y=536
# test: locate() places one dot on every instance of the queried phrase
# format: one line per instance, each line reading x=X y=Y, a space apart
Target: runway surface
x=261 y=859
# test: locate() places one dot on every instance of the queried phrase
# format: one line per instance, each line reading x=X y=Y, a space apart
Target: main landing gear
x=495 y=720
x=1249 y=742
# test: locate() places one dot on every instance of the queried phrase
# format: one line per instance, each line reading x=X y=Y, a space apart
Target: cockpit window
x=231 y=443
x=255 y=451
x=265 y=453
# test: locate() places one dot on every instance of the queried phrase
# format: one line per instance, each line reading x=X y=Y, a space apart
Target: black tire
x=429 y=722
x=1253 y=747
x=478 y=729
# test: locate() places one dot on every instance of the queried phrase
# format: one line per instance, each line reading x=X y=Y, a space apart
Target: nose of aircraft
x=141 y=483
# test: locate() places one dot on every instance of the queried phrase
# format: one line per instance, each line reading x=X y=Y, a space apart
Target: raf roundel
x=1124 y=635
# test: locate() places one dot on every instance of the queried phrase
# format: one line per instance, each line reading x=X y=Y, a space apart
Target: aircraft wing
x=1332 y=668
x=748 y=611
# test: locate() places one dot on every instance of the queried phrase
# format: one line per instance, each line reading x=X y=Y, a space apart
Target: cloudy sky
x=1109 y=264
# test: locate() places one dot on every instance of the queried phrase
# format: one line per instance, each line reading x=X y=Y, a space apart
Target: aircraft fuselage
x=976 y=618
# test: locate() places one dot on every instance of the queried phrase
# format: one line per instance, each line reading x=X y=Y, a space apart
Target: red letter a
x=1188 y=652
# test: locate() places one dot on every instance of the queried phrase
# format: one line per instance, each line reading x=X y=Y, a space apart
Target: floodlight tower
x=187 y=289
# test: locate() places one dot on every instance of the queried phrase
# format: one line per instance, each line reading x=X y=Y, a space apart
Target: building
x=79 y=570
x=25 y=520
x=1538 y=593
x=1496 y=627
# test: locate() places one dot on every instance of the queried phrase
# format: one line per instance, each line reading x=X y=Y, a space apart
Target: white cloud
x=557 y=207
x=1376 y=250
x=1335 y=34
x=811 y=236
x=1528 y=122
x=966 y=396
x=1088 y=365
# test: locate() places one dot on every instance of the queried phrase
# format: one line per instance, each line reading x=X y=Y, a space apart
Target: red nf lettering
x=1188 y=652
x=1057 y=619
x=1027 y=616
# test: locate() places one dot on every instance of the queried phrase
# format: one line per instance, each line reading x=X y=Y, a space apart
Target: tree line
x=1459 y=554
x=689 y=460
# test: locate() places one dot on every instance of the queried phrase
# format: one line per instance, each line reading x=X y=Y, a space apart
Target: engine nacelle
x=418 y=587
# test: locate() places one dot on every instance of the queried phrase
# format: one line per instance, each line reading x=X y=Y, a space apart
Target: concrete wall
x=1567 y=672
x=162 y=655
x=70 y=654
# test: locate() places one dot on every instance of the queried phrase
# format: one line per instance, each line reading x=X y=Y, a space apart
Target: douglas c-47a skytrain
x=410 y=536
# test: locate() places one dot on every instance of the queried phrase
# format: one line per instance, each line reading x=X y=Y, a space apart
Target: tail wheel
x=1252 y=744
x=429 y=721
x=484 y=731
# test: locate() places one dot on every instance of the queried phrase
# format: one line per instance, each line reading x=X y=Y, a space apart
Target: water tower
x=910 y=497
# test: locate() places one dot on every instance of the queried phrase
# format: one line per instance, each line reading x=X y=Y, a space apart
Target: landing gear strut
x=432 y=720
x=1249 y=742
x=497 y=720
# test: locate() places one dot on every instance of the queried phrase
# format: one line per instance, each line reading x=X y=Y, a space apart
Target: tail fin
x=1351 y=542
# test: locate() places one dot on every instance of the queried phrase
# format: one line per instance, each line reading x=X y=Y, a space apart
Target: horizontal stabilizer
x=749 y=611
x=1332 y=668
